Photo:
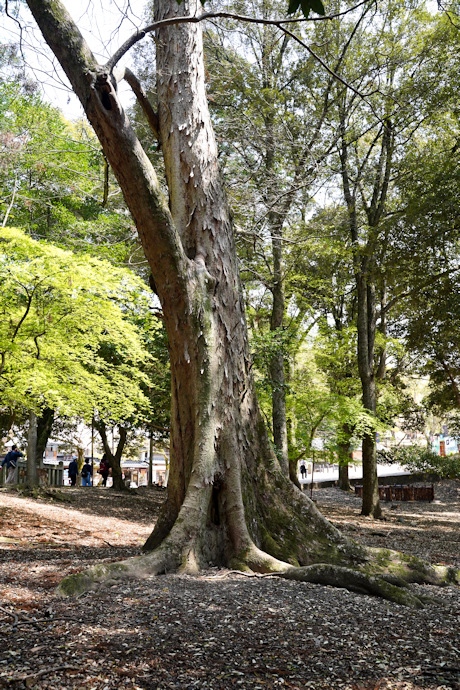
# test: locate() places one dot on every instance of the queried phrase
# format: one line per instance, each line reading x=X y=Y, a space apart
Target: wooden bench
x=401 y=492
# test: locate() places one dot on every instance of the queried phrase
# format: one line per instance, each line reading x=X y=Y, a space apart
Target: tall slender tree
x=373 y=136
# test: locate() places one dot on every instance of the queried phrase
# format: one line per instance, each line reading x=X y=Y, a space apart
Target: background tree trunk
x=32 y=475
x=345 y=454
x=44 y=428
x=277 y=362
x=114 y=459
x=151 y=457
x=366 y=355
x=366 y=324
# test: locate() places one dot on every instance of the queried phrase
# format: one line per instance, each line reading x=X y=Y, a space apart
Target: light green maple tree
x=60 y=316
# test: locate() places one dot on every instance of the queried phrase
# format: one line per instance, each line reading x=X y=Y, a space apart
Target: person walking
x=11 y=462
x=104 y=470
x=86 y=473
x=73 y=471
x=303 y=470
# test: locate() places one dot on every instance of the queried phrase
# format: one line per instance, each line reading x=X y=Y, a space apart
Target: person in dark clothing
x=104 y=470
x=73 y=471
x=86 y=473
x=303 y=471
x=11 y=461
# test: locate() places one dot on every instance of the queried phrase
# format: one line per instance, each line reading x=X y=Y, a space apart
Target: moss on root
x=72 y=585
x=409 y=569
x=448 y=574
x=290 y=528
x=355 y=581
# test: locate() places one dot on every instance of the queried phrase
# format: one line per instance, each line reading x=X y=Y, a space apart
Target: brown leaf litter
x=219 y=630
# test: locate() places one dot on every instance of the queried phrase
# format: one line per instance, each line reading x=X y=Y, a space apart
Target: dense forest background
x=340 y=188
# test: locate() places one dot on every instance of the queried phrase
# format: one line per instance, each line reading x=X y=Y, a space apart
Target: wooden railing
x=48 y=475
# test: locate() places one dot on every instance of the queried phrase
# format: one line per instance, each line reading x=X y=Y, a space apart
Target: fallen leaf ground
x=220 y=630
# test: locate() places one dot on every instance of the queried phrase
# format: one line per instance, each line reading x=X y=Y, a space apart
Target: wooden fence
x=48 y=475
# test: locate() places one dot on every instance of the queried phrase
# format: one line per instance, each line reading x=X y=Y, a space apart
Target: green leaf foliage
x=68 y=339
x=423 y=461
x=53 y=179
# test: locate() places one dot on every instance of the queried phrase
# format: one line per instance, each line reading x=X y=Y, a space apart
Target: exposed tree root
x=280 y=533
x=379 y=581
x=355 y=581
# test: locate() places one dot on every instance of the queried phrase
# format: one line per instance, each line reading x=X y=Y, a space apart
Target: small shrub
x=422 y=461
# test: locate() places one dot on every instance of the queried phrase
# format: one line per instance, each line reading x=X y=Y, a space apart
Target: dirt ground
x=220 y=630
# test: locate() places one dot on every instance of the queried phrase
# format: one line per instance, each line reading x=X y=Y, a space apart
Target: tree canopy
x=64 y=319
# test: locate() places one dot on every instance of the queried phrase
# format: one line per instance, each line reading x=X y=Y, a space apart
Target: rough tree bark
x=228 y=503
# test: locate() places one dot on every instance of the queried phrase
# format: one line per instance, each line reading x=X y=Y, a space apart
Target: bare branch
x=141 y=33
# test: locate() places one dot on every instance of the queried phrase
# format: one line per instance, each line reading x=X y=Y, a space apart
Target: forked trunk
x=228 y=501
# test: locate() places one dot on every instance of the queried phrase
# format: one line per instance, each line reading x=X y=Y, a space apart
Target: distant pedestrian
x=86 y=473
x=104 y=468
x=73 y=471
x=11 y=462
x=303 y=471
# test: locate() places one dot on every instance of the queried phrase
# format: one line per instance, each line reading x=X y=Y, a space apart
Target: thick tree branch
x=151 y=115
x=96 y=89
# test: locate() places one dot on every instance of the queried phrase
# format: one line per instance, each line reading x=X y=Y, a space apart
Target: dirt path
x=220 y=630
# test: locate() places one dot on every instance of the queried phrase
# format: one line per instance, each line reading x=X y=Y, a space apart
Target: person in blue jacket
x=11 y=461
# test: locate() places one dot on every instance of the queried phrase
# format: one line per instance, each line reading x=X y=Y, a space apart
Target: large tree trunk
x=228 y=501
